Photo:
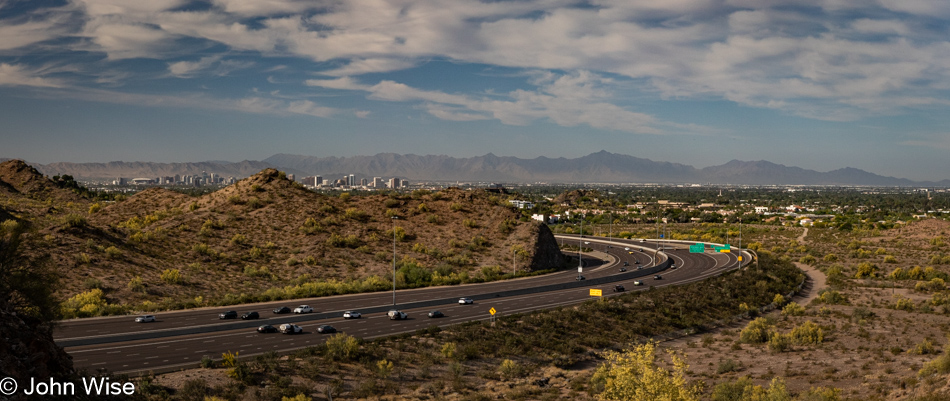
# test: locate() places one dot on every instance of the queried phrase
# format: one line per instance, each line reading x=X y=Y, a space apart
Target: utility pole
x=394 y=259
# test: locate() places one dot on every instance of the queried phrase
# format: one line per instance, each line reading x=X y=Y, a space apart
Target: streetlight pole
x=394 y=259
x=580 y=248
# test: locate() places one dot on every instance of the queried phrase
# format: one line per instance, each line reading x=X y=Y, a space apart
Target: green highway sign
x=697 y=248
x=722 y=248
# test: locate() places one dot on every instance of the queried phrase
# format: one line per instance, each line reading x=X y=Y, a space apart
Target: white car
x=351 y=315
x=638 y=282
x=397 y=315
x=288 y=328
x=145 y=319
x=626 y=248
x=303 y=309
x=463 y=301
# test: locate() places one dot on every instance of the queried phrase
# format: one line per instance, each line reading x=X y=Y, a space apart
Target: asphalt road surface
x=179 y=339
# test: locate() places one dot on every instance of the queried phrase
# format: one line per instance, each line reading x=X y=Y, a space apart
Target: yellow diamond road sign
x=492 y=311
x=596 y=293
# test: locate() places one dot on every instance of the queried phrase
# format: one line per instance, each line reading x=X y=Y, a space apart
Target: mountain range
x=601 y=167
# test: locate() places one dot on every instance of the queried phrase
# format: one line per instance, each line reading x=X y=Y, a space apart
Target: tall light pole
x=394 y=259
x=580 y=247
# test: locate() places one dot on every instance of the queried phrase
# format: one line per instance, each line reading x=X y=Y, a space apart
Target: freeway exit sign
x=722 y=248
x=697 y=248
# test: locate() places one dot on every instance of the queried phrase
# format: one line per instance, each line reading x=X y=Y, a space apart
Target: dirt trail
x=815 y=281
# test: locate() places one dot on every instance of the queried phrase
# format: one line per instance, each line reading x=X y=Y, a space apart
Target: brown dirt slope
x=267 y=232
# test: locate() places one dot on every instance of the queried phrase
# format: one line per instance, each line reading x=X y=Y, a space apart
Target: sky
x=820 y=84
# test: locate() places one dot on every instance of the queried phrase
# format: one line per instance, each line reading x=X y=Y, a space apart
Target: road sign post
x=492 y=311
x=699 y=247
x=596 y=292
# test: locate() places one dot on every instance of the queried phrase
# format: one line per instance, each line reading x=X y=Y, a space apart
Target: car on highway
x=396 y=315
x=326 y=329
x=626 y=248
x=657 y=277
x=228 y=315
x=638 y=282
x=579 y=278
x=625 y=263
x=623 y=269
x=303 y=309
x=267 y=329
x=619 y=288
x=636 y=262
x=351 y=315
x=642 y=240
x=672 y=265
x=586 y=242
x=465 y=301
x=435 y=314
x=282 y=310
x=145 y=319
x=288 y=328
x=250 y=315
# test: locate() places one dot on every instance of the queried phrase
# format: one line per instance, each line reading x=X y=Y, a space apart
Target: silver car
x=145 y=319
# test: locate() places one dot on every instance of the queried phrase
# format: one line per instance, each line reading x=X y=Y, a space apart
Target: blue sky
x=820 y=84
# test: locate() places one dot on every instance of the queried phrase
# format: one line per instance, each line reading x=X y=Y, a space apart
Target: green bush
x=757 y=331
x=808 y=333
x=113 y=253
x=793 y=309
x=342 y=347
x=172 y=276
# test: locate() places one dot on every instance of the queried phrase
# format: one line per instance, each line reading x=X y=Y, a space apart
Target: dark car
x=579 y=278
x=250 y=315
x=619 y=288
x=623 y=269
x=436 y=313
x=282 y=310
x=228 y=315
x=657 y=277
x=267 y=329
x=625 y=263
x=326 y=329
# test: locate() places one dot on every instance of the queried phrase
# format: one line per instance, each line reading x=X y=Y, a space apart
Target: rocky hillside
x=267 y=237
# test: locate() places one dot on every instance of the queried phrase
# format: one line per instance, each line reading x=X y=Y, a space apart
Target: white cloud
x=184 y=69
x=18 y=75
x=256 y=8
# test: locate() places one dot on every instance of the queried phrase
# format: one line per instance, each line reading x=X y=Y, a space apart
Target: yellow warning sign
x=492 y=311
x=596 y=293
x=740 y=258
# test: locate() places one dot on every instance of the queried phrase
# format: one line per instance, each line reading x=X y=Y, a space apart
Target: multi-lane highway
x=180 y=339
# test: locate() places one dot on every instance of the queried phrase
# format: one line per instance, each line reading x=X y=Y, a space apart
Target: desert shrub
x=830 y=258
x=400 y=234
x=92 y=283
x=255 y=252
x=238 y=239
x=355 y=214
x=384 y=368
x=95 y=208
x=793 y=309
x=808 y=333
x=634 y=375
x=113 y=253
x=434 y=219
x=509 y=369
x=202 y=249
x=311 y=227
x=456 y=207
x=339 y=241
x=235 y=200
x=938 y=366
x=745 y=389
x=866 y=270
x=890 y=259
x=923 y=348
x=936 y=284
x=757 y=331
x=171 y=276
x=820 y=394
x=897 y=274
x=136 y=284
x=261 y=272
x=903 y=303
x=778 y=300
x=807 y=259
x=469 y=223
x=342 y=347
x=728 y=365
x=449 y=350
x=85 y=304
x=779 y=342
x=831 y=297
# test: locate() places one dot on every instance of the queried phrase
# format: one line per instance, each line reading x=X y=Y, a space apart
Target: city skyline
x=812 y=84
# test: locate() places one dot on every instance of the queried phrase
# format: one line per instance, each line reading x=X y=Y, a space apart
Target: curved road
x=179 y=339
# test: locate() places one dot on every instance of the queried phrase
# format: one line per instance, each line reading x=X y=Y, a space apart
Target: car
x=672 y=265
x=626 y=248
x=145 y=319
x=657 y=277
x=465 y=301
x=636 y=262
x=638 y=282
x=228 y=315
x=435 y=314
x=282 y=310
x=631 y=252
x=619 y=288
x=326 y=329
x=586 y=242
x=623 y=269
x=396 y=315
x=267 y=329
x=642 y=240
x=250 y=315
x=579 y=278
x=351 y=315
x=288 y=328
x=303 y=309
x=625 y=263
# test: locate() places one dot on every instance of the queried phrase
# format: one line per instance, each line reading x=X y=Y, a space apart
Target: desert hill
x=267 y=237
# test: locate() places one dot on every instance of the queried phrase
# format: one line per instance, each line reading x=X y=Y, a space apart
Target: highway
x=179 y=339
